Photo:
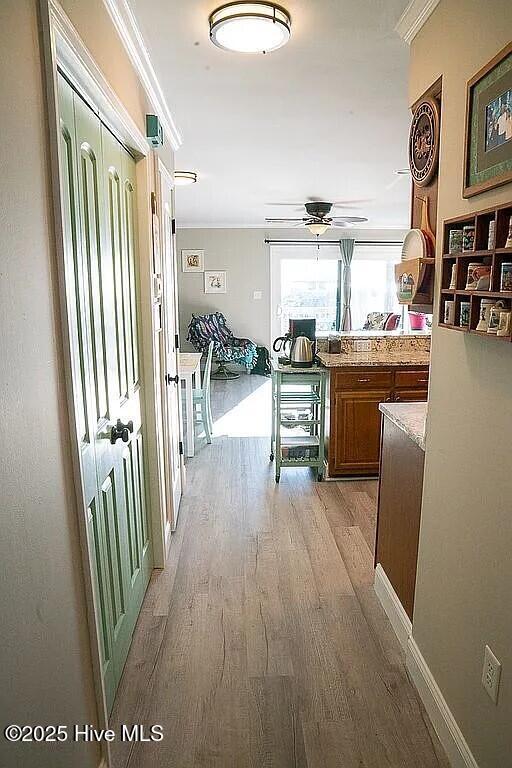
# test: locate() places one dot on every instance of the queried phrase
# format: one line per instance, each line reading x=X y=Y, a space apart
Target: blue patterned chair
x=227 y=348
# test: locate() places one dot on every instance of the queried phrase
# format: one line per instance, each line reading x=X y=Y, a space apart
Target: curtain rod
x=331 y=242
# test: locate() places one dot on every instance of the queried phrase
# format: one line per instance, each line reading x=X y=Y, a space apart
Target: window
x=307 y=282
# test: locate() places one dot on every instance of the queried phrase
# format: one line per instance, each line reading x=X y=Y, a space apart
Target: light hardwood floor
x=262 y=643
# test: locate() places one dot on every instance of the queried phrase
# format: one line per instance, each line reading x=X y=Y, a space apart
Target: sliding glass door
x=307 y=283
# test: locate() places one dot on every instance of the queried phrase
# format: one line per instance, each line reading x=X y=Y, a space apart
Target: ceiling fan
x=317 y=218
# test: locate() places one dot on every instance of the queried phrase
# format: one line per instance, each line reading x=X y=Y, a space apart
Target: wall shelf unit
x=460 y=261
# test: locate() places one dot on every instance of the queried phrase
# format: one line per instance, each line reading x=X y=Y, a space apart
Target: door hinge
x=171 y=379
x=173 y=227
x=181 y=448
x=153 y=202
x=176 y=341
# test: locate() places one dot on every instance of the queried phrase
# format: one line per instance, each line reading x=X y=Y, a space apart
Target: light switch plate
x=362 y=345
x=257 y=295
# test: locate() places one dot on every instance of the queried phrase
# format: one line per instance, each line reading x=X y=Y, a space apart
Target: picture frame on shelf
x=488 y=135
x=215 y=281
x=192 y=260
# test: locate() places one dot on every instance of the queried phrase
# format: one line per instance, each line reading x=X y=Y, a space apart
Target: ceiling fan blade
x=341 y=221
x=284 y=220
x=343 y=203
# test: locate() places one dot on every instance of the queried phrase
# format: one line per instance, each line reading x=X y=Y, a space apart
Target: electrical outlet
x=362 y=345
x=491 y=674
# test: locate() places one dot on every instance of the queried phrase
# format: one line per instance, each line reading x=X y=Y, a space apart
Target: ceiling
x=325 y=116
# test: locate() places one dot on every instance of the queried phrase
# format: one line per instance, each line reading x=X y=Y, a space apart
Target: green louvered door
x=98 y=193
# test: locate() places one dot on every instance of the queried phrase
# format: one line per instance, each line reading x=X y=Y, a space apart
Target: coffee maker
x=303 y=328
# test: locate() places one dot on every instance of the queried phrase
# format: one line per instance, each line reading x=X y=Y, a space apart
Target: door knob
x=121 y=431
x=169 y=379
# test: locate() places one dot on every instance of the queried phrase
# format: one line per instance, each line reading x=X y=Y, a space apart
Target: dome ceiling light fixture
x=318 y=229
x=247 y=27
x=184 y=178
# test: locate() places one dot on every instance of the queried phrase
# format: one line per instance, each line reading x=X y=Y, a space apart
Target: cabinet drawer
x=411 y=379
x=361 y=379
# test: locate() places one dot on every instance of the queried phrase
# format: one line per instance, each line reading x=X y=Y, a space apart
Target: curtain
x=347 y=252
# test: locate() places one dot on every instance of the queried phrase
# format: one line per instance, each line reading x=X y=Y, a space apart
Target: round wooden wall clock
x=424 y=142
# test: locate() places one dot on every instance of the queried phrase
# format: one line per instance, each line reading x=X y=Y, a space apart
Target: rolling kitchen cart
x=298 y=405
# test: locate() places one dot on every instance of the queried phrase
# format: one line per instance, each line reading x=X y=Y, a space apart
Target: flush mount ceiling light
x=183 y=178
x=317 y=229
x=248 y=27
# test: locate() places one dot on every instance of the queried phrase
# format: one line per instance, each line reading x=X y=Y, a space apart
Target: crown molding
x=414 y=17
x=131 y=37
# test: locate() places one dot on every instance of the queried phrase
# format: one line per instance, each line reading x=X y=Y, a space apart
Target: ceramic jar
x=506 y=276
x=494 y=317
x=472 y=278
x=453 y=280
x=491 y=239
x=485 y=309
x=449 y=312
x=504 y=327
x=464 y=314
x=455 y=241
x=468 y=238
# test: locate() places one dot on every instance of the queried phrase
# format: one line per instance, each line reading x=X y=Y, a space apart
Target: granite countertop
x=377 y=357
x=409 y=417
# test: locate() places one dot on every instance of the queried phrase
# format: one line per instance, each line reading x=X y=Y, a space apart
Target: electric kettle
x=302 y=353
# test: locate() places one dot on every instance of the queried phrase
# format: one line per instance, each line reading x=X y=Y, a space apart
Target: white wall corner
x=445 y=725
x=131 y=37
x=414 y=17
x=393 y=608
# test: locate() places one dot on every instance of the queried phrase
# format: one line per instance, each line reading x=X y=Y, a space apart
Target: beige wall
x=45 y=674
x=246 y=258
x=463 y=595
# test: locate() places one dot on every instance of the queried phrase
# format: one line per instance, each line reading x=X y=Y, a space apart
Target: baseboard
x=445 y=725
x=393 y=608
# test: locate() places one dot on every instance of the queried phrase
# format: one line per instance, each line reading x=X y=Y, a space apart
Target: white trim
x=445 y=725
x=103 y=763
x=414 y=17
x=131 y=37
x=77 y=62
x=393 y=608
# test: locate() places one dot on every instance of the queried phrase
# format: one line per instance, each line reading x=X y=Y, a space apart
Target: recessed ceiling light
x=183 y=178
x=248 y=27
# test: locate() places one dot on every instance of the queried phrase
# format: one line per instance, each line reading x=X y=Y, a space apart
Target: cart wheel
x=271 y=457
x=319 y=477
x=277 y=478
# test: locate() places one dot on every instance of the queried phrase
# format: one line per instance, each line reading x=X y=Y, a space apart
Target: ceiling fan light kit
x=184 y=178
x=317 y=220
x=247 y=27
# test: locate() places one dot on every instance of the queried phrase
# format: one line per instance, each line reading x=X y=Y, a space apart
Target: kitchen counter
x=382 y=357
x=409 y=417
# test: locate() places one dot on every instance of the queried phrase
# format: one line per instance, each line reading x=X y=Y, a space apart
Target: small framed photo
x=215 y=281
x=488 y=141
x=192 y=260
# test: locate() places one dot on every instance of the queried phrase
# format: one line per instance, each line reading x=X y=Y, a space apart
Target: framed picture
x=215 y=281
x=488 y=141
x=192 y=260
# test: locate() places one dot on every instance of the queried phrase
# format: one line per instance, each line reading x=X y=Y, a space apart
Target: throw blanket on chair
x=227 y=347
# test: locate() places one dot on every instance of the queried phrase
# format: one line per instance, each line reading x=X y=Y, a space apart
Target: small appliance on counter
x=298 y=345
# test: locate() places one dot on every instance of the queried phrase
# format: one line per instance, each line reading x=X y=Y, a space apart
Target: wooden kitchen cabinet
x=353 y=435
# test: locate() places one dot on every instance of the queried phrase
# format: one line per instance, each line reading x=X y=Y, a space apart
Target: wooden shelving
x=494 y=258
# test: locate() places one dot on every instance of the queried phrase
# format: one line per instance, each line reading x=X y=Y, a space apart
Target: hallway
x=262 y=643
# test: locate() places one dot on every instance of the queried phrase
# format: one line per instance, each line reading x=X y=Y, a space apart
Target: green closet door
x=98 y=190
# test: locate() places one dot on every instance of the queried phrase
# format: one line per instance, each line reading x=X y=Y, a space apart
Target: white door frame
x=63 y=48
x=162 y=176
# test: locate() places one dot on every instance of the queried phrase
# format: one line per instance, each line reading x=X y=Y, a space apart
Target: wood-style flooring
x=262 y=643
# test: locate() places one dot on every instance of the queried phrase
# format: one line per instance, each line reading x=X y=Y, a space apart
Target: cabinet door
x=356 y=432
x=410 y=395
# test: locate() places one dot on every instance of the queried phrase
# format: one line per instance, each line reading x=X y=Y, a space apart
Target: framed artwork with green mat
x=488 y=139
